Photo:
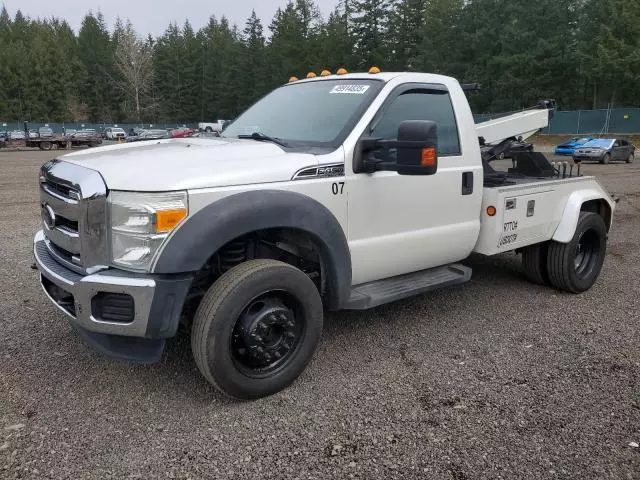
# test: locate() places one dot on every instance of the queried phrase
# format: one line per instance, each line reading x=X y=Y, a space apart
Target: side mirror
x=417 y=147
x=416 y=150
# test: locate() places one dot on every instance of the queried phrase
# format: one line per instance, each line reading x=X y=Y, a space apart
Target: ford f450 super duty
x=337 y=192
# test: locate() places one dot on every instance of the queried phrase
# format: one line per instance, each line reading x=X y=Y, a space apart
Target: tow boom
x=522 y=124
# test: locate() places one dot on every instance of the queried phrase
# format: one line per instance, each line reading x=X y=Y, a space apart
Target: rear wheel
x=606 y=159
x=46 y=146
x=534 y=263
x=631 y=158
x=208 y=129
x=257 y=328
x=575 y=266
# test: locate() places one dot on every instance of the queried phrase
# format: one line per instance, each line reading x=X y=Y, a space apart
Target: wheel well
x=599 y=206
x=293 y=246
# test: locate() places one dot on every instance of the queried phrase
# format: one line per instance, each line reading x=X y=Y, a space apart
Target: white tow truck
x=338 y=192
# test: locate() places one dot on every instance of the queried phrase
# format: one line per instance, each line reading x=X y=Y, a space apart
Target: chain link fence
x=577 y=122
x=61 y=128
x=580 y=122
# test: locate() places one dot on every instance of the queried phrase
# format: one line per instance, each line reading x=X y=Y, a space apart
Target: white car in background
x=212 y=127
x=115 y=133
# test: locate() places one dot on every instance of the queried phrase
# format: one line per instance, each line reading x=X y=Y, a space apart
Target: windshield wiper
x=264 y=138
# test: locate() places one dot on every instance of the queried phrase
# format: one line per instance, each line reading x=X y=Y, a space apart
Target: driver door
x=401 y=223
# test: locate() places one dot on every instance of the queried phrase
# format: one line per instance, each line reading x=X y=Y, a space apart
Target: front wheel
x=257 y=328
x=606 y=159
x=631 y=158
x=575 y=266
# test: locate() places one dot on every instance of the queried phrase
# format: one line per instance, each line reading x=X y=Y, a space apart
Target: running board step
x=370 y=295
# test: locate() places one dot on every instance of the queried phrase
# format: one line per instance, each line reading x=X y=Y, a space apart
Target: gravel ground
x=495 y=379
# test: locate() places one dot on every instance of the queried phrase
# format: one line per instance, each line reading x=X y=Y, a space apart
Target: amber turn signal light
x=167 y=220
x=428 y=157
x=491 y=211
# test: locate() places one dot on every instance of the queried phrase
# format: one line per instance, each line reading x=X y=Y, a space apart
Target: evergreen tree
x=252 y=83
x=370 y=24
x=407 y=31
x=96 y=51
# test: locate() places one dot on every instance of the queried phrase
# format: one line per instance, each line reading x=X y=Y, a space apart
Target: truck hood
x=189 y=163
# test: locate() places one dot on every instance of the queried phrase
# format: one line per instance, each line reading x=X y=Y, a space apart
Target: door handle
x=467 y=183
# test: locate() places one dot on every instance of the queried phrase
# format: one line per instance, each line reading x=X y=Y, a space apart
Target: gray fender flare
x=209 y=229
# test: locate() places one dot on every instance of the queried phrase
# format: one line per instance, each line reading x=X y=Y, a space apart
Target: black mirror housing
x=416 y=150
x=417 y=147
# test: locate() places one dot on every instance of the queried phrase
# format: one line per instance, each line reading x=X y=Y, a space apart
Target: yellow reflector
x=293 y=79
x=325 y=73
x=373 y=70
x=166 y=220
x=311 y=75
x=342 y=71
x=491 y=211
x=428 y=157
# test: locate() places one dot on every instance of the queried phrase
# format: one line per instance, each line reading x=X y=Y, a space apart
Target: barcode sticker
x=350 y=89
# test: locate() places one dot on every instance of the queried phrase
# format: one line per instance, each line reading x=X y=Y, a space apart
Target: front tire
x=631 y=158
x=257 y=328
x=575 y=266
x=606 y=159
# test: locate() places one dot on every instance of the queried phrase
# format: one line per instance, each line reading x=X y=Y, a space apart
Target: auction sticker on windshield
x=352 y=89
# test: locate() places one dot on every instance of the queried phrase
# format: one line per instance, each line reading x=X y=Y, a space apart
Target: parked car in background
x=568 y=147
x=16 y=135
x=33 y=134
x=181 y=132
x=70 y=131
x=115 y=133
x=604 y=150
x=156 y=134
x=45 y=132
x=215 y=127
x=134 y=132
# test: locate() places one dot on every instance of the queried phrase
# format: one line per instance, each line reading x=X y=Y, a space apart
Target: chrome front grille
x=73 y=204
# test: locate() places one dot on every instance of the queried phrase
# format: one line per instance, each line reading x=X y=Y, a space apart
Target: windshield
x=316 y=113
x=599 y=143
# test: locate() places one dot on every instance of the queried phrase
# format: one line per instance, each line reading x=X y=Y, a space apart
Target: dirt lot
x=494 y=379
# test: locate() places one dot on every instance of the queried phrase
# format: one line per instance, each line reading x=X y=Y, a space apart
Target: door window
x=422 y=104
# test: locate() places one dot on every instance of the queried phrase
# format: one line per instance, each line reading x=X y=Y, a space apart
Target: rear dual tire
x=575 y=266
x=257 y=329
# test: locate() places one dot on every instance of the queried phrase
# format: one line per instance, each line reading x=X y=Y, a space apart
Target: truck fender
x=209 y=229
x=569 y=221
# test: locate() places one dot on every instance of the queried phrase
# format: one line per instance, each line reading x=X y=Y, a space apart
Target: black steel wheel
x=257 y=328
x=575 y=266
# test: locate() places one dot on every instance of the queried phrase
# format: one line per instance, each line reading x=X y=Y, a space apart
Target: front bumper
x=583 y=157
x=157 y=305
x=564 y=151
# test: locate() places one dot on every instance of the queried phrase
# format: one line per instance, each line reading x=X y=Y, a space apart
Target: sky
x=154 y=16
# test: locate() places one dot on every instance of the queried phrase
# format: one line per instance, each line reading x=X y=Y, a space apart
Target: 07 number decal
x=337 y=188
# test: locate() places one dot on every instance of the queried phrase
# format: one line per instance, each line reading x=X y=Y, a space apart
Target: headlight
x=140 y=223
